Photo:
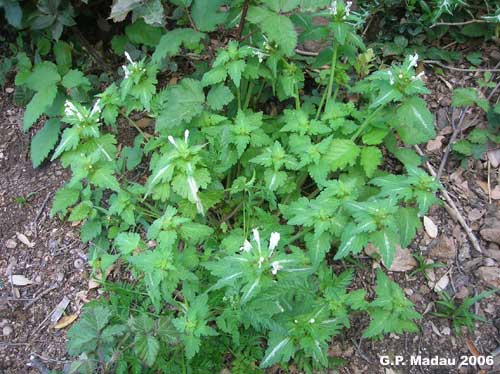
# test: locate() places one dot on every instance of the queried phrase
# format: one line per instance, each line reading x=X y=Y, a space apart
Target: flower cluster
x=273 y=243
x=133 y=67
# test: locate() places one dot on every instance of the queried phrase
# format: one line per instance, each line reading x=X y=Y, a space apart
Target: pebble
x=78 y=264
x=7 y=330
x=489 y=275
x=491 y=234
x=444 y=249
x=10 y=243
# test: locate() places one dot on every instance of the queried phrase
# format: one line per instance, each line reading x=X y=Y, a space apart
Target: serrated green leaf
x=147 y=348
x=207 y=15
x=44 y=141
x=170 y=43
x=219 y=96
x=415 y=121
x=278 y=28
x=184 y=101
x=43 y=76
x=464 y=97
x=141 y=33
x=75 y=78
x=342 y=152
x=37 y=106
x=408 y=223
x=370 y=159
x=63 y=198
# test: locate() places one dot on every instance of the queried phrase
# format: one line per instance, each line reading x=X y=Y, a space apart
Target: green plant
x=391 y=311
x=211 y=233
x=460 y=314
x=423 y=266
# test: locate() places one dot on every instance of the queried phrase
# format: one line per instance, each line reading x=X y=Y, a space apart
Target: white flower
x=413 y=61
x=275 y=267
x=193 y=188
x=186 y=136
x=246 y=246
x=391 y=77
x=312 y=320
x=132 y=62
x=333 y=7
x=172 y=140
x=261 y=261
x=273 y=242
x=348 y=8
x=126 y=71
x=71 y=110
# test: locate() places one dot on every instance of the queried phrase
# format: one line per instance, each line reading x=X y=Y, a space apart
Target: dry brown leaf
x=65 y=321
x=494 y=157
x=430 y=227
x=24 y=239
x=435 y=144
x=93 y=284
x=144 y=122
x=20 y=280
x=442 y=283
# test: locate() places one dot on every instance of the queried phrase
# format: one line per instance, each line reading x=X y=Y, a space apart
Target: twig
x=39 y=296
x=305 y=53
x=193 y=25
x=360 y=352
x=439 y=63
x=489 y=182
x=456 y=129
x=243 y=18
x=459 y=23
x=42 y=207
x=451 y=207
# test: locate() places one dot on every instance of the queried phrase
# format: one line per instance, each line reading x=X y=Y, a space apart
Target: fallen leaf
x=24 y=239
x=494 y=157
x=442 y=283
x=435 y=144
x=20 y=280
x=403 y=260
x=144 y=122
x=93 y=284
x=65 y=321
x=430 y=227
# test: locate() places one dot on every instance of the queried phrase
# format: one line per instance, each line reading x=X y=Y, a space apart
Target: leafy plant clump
x=214 y=233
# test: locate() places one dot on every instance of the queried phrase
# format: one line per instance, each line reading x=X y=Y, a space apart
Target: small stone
x=7 y=330
x=9 y=90
x=489 y=275
x=476 y=214
x=38 y=279
x=10 y=243
x=444 y=249
x=78 y=264
x=408 y=291
x=492 y=252
x=446 y=331
x=416 y=298
x=489 y=262
x=59 y=276
x=491 y=234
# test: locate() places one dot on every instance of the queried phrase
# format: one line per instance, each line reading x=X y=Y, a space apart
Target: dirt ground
x=48 y=254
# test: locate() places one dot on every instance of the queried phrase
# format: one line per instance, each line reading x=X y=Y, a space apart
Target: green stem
x=332 y=76
x=238 y=97
x=365 y=123
x=297 y=96
x=248 y=95
x=323 y=97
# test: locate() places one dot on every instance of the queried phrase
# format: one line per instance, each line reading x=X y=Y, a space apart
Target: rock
x=491 y=234
x=403 y=260
x=444 y=249
x=10 y=243
x=7 y=330
x=495 y=193
x=476 y=214
x=78 y=264
x=494 y=157
x=430 y=227
x=492 y=252
x=489 y=275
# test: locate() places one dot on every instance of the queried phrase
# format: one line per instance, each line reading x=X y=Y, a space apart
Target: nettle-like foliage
x=260 y=172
